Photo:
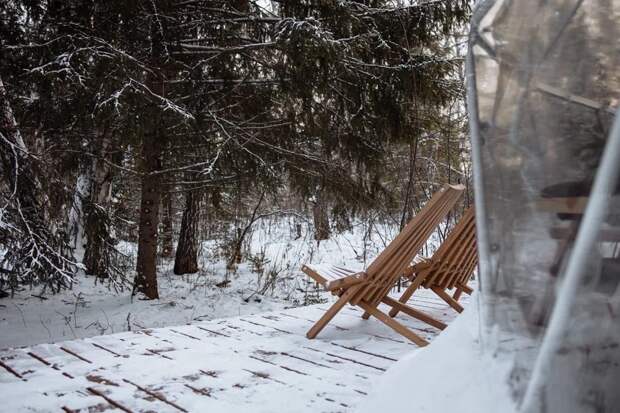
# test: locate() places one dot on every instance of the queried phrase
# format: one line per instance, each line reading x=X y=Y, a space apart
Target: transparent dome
x=543 y=92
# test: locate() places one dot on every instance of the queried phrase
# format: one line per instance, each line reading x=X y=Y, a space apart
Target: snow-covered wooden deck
x=258 y=363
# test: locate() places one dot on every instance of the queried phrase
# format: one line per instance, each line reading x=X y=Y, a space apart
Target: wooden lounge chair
x=367 y=289
x=450 y=267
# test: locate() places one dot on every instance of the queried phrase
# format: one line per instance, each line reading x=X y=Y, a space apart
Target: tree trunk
x=167 y=248
x=152 y=144
x=76 y=217
x=146 y=268
x=321 y=218
x=186 y=261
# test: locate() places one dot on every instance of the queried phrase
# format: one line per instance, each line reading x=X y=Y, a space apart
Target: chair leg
x=414 y=313
x=446 y=297
x=457 y=293
x=460 y=289
x=466 y=289
x=393 y=324
x=331 y=312
x=415 y=284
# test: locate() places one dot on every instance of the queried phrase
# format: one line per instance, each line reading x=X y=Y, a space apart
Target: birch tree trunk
x=76 y=220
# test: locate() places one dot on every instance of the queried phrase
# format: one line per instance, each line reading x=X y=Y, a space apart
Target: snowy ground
x=257 y=363
x=459 y=374
x=270 y=281
x=91 y=310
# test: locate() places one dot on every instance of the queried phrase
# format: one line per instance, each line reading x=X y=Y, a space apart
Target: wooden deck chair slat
x=409 y=241
x=470 y=264
x=397 y=266
x=457 y=248
x=394 y=271
x=393 y=268
x=445 y=276
x=413 y=228
x=463 y=263
x=369 y=288
x=451 y=265
x=446 y=246
x=467 y=274
x=406 y=251
x=343 y=272
x=454 y=259
x=409 y=229
x=457 y=260
x=397 y=269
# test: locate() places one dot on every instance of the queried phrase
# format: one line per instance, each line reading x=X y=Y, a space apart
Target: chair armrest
x=346 y=282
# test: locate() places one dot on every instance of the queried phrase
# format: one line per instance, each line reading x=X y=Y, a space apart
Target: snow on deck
x=257 y=363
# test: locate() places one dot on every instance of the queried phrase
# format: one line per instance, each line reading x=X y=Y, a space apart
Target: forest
x=139 y=136
x=319 y=206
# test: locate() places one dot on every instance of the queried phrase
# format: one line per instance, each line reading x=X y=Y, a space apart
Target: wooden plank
x=108 y=399
x=74 y=354
x=11 y=370
x=156 y=395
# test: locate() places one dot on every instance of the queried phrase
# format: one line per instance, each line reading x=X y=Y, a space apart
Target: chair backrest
x=457 y=257
x=385 y=270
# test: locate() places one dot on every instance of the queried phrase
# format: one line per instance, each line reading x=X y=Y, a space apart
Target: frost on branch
x=35 y=250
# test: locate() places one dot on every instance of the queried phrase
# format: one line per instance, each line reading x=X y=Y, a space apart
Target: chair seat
x=332 y=276
x=328 y=272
